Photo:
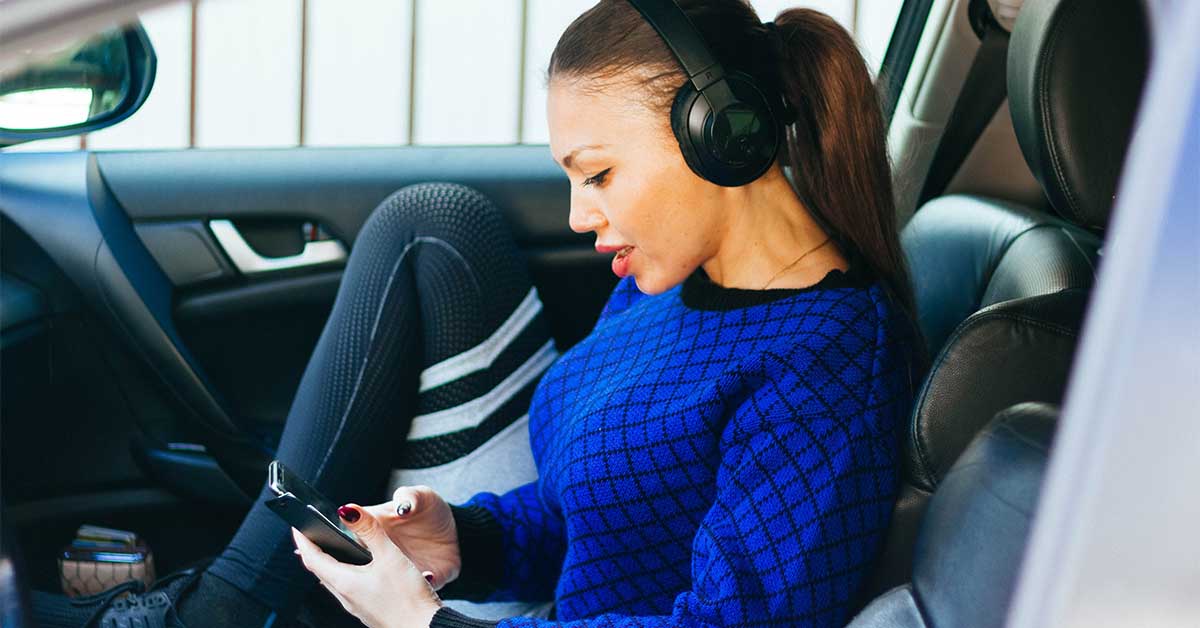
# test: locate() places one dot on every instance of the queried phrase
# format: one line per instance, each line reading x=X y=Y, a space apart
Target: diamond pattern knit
x=706 y=457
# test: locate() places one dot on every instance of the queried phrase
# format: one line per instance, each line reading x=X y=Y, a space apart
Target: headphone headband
x=727 y=131
x=682 y=37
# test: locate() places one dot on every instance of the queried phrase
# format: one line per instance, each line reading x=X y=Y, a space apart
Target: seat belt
x=983 y=91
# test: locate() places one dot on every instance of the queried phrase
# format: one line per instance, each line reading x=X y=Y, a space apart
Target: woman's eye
x=597 y=178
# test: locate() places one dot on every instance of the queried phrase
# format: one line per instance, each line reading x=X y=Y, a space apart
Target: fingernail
x=428 y=576
x=296 y=552
x=403 y=508
x=349 y=513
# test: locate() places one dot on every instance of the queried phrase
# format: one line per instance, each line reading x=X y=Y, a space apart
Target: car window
x=284 y=73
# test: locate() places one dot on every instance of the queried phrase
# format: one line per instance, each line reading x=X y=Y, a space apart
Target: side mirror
x=82 y=87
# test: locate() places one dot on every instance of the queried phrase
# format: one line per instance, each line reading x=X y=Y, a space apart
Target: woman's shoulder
x=848 y=313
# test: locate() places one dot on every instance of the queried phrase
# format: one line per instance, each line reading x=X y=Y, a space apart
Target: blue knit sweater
x=707 y=457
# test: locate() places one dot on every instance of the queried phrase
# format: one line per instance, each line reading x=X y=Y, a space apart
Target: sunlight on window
x=468 y=63
x=356 y=90
x=247 y=73
x=267 y=73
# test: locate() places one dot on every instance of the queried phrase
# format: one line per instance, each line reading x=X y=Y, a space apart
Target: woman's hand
x=425 y=532
x=388 y=592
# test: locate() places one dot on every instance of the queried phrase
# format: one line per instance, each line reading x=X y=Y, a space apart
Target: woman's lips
x=621 y=261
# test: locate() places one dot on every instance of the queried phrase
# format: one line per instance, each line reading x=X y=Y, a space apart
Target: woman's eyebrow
x=566 y=161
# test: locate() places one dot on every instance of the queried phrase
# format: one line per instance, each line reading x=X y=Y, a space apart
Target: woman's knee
x=449 y=233
x=447 y=211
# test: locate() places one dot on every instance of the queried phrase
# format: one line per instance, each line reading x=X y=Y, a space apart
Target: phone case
x=318 y=530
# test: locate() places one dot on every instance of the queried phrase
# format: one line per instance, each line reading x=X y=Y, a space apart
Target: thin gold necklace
x=776 y=275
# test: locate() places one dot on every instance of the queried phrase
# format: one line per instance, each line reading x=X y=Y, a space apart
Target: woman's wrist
x=427 y=613
x=481 y=554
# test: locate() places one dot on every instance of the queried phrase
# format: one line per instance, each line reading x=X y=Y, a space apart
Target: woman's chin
x=651 y=284
x=644 y=284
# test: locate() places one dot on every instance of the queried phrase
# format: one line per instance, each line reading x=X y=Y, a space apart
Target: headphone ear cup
x=744 y=136
x=685 y=98
x=733 y=147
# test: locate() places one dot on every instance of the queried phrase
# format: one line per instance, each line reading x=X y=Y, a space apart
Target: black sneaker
x=142 y=608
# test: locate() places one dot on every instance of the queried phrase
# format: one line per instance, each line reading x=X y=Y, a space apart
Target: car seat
x=973 y=537
x=1001 y=289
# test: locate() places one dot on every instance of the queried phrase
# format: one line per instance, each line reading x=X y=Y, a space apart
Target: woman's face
x=630 y=185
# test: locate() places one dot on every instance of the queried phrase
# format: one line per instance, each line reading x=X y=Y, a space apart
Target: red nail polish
x=429 y=578
x=348 y=513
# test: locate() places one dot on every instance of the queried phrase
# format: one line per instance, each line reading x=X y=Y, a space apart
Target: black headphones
x=726 y=128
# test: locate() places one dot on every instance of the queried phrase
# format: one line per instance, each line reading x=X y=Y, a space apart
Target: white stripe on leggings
x=472 y=413
x=485 y=353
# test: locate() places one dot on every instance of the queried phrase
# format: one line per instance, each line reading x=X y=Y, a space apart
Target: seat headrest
x=1075 y=75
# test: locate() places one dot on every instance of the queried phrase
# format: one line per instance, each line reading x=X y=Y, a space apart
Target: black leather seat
x=970 y=548
x=1001 y=289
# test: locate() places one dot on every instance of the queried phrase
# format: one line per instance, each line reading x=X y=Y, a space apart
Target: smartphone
x=313 y=515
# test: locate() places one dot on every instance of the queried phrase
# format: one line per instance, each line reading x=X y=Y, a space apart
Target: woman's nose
x=584 y=216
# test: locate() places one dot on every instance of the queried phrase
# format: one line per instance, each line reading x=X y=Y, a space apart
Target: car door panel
x=339 y=185
x=338 y=188
x=179 y=345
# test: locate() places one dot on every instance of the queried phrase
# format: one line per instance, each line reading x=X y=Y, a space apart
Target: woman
x=720 y=450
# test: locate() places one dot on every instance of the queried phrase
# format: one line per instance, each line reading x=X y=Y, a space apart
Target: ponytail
x=836 y=150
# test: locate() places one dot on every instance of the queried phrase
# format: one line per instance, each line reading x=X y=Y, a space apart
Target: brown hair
x=836 y=150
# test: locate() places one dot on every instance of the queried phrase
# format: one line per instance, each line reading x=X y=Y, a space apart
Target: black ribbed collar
x=700 y=293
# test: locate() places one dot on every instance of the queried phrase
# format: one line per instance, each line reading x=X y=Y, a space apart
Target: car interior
x=159 y=307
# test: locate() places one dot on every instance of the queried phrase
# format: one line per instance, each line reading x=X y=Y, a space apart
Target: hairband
x=776 y=39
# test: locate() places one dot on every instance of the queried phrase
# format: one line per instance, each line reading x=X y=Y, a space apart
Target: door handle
x=249 y=262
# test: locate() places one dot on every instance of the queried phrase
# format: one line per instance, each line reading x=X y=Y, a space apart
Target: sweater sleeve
x=512 y=547
x=800 y=510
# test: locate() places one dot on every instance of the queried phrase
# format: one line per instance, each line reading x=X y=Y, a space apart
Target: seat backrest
x=974 y=535
x=1001 y=289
